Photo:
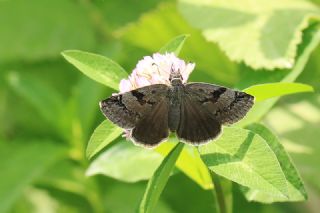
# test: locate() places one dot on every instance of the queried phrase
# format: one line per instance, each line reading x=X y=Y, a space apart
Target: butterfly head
x=175 y=77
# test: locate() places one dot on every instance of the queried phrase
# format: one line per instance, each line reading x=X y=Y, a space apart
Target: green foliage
x=99 y=68
x=266 y=91
x=27 y=162
x=158 y=181
x=189 y=162
x=48 y=110
x=41 y=30
x=175 y=45
x=296 y=190
x=103 y=135
x=139 y=164
x=50 y=107
x=261 y=29
x=244 y=157
x=311 y=40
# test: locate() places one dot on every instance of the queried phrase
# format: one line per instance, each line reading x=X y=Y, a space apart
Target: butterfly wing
x=144 y=110
x=153 y=128
x=197 y=126
x=205 y=107
x=227 y=106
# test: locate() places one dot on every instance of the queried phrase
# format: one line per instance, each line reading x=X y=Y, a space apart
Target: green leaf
x=158 y=181
x=297 y=124
x=175 y=45
x=189 y=162
x=263 y=37
x=59 y=25
x=311 y=39
x=103 y=135
x=22 y=163
x=296 y=191
x=45 y=99
x=244 y=157
x=127 y=162
x=96 y=67
x=262 y=92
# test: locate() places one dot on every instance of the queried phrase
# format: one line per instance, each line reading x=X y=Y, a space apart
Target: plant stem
x=218 y=191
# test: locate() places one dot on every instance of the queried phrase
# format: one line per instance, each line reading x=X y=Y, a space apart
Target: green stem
x=218 y=191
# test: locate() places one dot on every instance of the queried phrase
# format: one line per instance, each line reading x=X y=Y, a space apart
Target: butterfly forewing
x=137 y=108
x=227 y=106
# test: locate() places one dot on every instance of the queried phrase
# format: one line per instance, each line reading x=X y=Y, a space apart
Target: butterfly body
x=194 y=111
x=175 y=95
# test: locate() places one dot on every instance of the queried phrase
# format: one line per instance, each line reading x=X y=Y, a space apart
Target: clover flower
x=155 y=70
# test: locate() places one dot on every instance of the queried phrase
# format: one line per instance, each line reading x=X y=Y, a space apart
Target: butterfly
x=194 y=111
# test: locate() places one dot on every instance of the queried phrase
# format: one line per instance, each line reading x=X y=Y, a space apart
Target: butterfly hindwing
x=197 y=125
x=153 y=128
x=127 y=109
x=227 y=106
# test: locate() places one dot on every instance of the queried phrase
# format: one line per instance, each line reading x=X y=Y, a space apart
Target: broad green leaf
x=41 y=30
x=245 y=158
x=45 y=99
x=297 y=124
x=311 y=39
x=21 y=164
x=175 y=45
x=157 y=27
x=159 y=179
x=103 y=135
x=296 y=191
x=264 y=39
x=189 y=162
x=262 y=92
x=127 y=162
x=97 y=67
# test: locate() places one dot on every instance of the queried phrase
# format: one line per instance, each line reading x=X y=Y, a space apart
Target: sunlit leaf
x=127 y=162
x=96 y=67
x=175 y=45
x=257 y=34
x=246 y=158
x=265 y=91
x=297 y=125
x=103 y=135
x=189 y=162
x=296 y=191
x=22 y=163
x=158 y=181
x=311 y=39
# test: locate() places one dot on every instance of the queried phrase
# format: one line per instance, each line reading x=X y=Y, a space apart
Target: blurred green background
x=48 y=109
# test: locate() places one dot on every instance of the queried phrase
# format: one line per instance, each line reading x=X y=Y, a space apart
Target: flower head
x=156 y=70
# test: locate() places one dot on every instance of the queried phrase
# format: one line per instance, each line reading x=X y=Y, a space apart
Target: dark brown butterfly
x=194 y=111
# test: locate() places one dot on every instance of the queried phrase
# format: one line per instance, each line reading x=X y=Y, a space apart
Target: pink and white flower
x=156 y=70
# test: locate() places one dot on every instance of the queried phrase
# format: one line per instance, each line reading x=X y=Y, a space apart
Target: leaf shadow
x=215 y=159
